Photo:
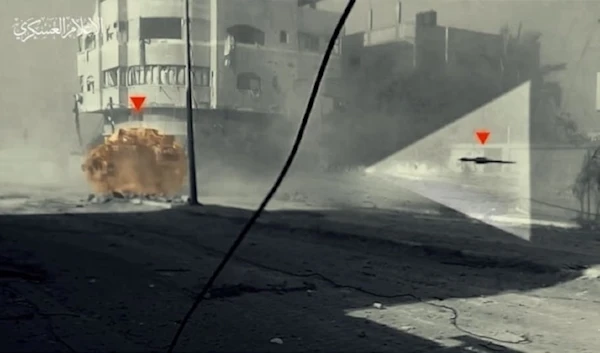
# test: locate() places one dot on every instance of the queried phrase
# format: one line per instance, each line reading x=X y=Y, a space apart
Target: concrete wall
x=477 y=52
x=278 y=65
x=431 y=48
x=377 y=63
x=394 y=51
x=553 y=173
x=459 y=51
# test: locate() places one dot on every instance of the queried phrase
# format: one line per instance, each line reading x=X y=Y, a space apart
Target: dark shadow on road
x=298 y=252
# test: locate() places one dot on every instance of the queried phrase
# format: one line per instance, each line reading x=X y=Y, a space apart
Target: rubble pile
x=136 y=161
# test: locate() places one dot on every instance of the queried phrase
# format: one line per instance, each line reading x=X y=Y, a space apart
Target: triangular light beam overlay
x=507 y=118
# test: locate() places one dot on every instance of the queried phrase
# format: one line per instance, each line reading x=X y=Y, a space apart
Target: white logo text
x=54 y=27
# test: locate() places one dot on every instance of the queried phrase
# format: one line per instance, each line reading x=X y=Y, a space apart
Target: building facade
x=422 y=44
x=248 y=56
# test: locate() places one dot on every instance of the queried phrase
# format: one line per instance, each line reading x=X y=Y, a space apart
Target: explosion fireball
x=136 y=161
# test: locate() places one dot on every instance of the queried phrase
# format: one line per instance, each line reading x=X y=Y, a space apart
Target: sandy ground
x=337 y=264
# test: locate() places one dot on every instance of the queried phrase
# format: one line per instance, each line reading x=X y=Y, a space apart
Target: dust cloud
x=37 y=133
x=38 y=163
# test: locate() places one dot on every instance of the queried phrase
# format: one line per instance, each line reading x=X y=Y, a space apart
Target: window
x=283 y=37
x=89 y=82
x=118 y=31
x=308 y=42
x=337 y=49
x=161 y=28
x=245 y=34
x=110 y=31
x=110 y=78
x=229 y=45
x=200 y=76
x=90 y=41
x=248 y=81
x=81 y=83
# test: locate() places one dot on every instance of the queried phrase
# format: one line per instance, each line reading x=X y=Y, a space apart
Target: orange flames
x=137 y=161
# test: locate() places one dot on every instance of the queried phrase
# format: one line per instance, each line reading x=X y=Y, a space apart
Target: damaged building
x=253 y=63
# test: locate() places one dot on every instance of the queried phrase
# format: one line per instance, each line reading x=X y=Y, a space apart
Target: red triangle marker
x=137 y=102
x=482 y=136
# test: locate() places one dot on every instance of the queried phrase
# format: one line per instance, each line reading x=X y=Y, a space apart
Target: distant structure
x=253 y=61
x=421 y=43
x=593 y=136
x=424 y=79
x=384 y=54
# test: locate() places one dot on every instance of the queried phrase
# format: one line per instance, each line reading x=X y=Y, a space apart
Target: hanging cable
x=189 y=101
x=288 y=163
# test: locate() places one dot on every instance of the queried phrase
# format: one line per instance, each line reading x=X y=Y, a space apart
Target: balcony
x=170 y=96
x=166 y=52
x=399 y=33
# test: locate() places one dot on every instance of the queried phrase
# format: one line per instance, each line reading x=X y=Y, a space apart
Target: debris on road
x=276 y=340
x=136 y=160
x=591 y=273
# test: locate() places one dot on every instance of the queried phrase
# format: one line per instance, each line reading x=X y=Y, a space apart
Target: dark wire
x=189 y=103
x=288 y=163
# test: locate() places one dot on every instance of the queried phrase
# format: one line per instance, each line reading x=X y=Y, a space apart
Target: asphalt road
x=337 y=266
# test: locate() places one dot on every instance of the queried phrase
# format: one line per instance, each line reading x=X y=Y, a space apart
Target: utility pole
x=193 y=197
